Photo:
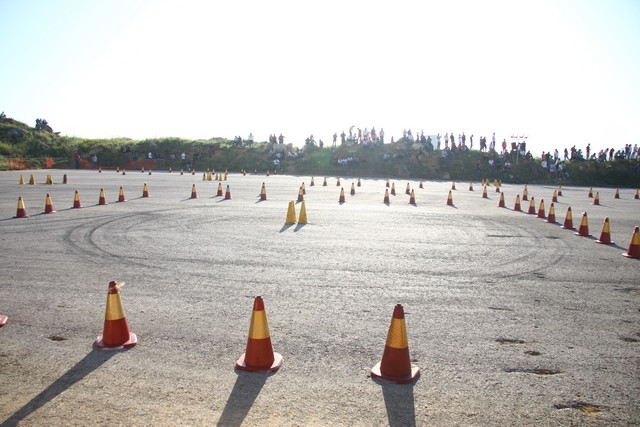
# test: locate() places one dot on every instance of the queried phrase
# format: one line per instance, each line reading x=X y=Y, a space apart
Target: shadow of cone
x=525 y=194
x=596 y=200
x=395 y=366
x=450 y=199
x=484 y=192
x=605 y=234
x=259 y=355
x=3 y=320
x=76 y=201
x=551 y=219
x=21 y=212
x=568 y=220
x=341 y=199
x=584 y=226
x=302 y=219
x=263 y=192
x=194 y=192
x=541 y=211
x=227 y=194
x=634 y=246
x=501 y=201
x=121 y=195
x=48 y=205
x=532 y=207
x=116 y=334
x=145 y=190
x=516 y=206
x=291 y=214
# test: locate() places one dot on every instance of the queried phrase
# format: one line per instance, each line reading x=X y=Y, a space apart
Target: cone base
x=21 y=215
x=602 y=242
x=3 y=320
x=568 y=228
x=277 y=362
x=415 y=373
x=630 y=255
x=131 y=342
x=582 y=234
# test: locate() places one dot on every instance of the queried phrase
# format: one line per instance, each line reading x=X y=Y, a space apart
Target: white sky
x=562 y=72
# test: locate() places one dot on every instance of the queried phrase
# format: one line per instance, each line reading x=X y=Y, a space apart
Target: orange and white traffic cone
x=300 y=195
x=525 y=194
x=532 y=206
x=99 y=169
x=312 y=184
x=560 y=191
x=450 y=199
x=386 y=196
x=341 y=199
x=304 y=190
x=21 y=212
x=170 y=170
x=116 y=334
x=263 y=192
x=605 y=234
x=395 y=366
x=568 y=220
x=596 y=200
x=387 y=183
x=393 y=188
x=259 y=355
x=117 y=169
x=359 y=183
x=219 y=192
x=124 y=172
x=353 y=189
x=484 y=192
x=551 y=218
x=501 y=201
x=554 y=198
x=324 y=183
x=3 y=320
x=470 y=186
x=634 y=246
x=102 y=200
x=637 y=195
x=142 y=169
x=145 y=190
x=193 y=172
x=517 y=206
x=267 y=173
x=453 y=185
x=48 y=205
x=194 y=192
x=584 y=226
x=76 y=201
x=412 y=198
x=181 y=171
x=541 y=211
x=338 y=182
x=590 y=194
x=617 y=195
x=421 y=185
x=227 y=193
x=497 y=187
x=121 y=195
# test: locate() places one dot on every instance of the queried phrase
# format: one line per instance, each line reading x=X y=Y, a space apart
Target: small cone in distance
x=617 y=195
x=532 y=207
x=99 y=169
x=302 y=219
x=65 y=180
x=259 y=355
x=300 y=195
x=541 y=211
x=517 y=206
x=551 y=218
x=145 y=190
x=393 y=189
x=407 y=191
x=142 y=169
x=194 y=192
x=324 y=183
x=386 y=196
x=584 y=226
x=470 y=186
x=497 y=188
x=227 y=193
x=450 y=199
x=49 y=180
x=596 y=200
x=387 y=184
x=453 y=185
x=359 y=183
x=219 y=192
x=304 y=191
x=102 y=200
x=395 y=366
x=338 y=182
x=193 y=172
x=560 y=191
x=170 y=170
x=124 y=172
x=484 y=192
x=121 y=195
x=291 y=214
x=21 y=212
x=117 y=169
x=353 y=189
x=637 y=195
x=116 y=334
x=76 y=201
x=554 y=198
x=605 y=234
x=48 y=205
x=495 y=182
x=568 y=220
x=421 y=185
x=181 y=171
x=21 y=180
x=525 y=194
x=267 y=173
x=204 y=176
x=263 y=192
x=312 y=184
x=590 y=194
x=341 y=199
x=412 y=198
x=226 y=176
x=501 y=201
x=209 y=176
x=634 y=246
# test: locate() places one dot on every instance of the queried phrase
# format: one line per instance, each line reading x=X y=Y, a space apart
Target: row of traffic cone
x=48 y=181
x=48 y=207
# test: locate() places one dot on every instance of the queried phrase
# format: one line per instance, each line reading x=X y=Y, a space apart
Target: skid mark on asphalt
x=587 y=408
x=535 y=371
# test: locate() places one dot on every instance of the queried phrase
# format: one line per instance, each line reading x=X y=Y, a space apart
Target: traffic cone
x=495 y=183
x=267 y=173
x=124 y=172
x=551 y=218
x=49 y=180
x=387 y=184
x=22 y=212
x=117 y=169
x=407 y=191
x=150 y=172
x=525 y=194
x=226 y=176
x=554 y=198
x=48 y=205
x=170 y=170
x=412 y=198
x=338 y=182
x=3 y=320
x=302 y=219
x=617 y=195
x=121 y=196
x=393 y=189
x=116 y=334
x=484 y=192
x=517 y=206
x=65 y=180
x=353 y=189
x=596 y=200
x=541 y=212
x=181 y=171
x=244 y=172
x=453 y=185
x=605 y=234
x=291 y=214
x=634 y=246
x=497 y=187
x=145 y=190
x=590 y=195
x=193 y=172
x=21 y=180
x=227 y=193
x=560 y=191
x=304 y=191
x=359 y=183
x=142 y=169
x=341 y=199
x=99 y=169
x=568 y=220
x=501 y=201
x=482 y=184
x=637 y=195
x=209 y=176
x=219 y=192
x=76 y=201
x=395 y=366
x=470 y=186
x=259 y=355
x=421 y=185
x=263 y=192
x=194 y=192
x=584 y=226
x=300 y=195
x=312 y=184
x=450 y=199
x=532 y=206
x=102 y=200
x=204 y=176
x=324 y=183
x=386 y=196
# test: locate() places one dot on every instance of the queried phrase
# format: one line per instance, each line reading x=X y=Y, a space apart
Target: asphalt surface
x=512 y=320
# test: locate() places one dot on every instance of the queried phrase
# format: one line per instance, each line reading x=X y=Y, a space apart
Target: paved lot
x=513 y=321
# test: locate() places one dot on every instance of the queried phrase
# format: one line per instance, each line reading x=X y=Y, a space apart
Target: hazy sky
x=562 y=72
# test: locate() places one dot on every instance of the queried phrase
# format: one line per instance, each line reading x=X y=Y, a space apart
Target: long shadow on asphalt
x=244 y=394
x=399 y=401
x=84 y=367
